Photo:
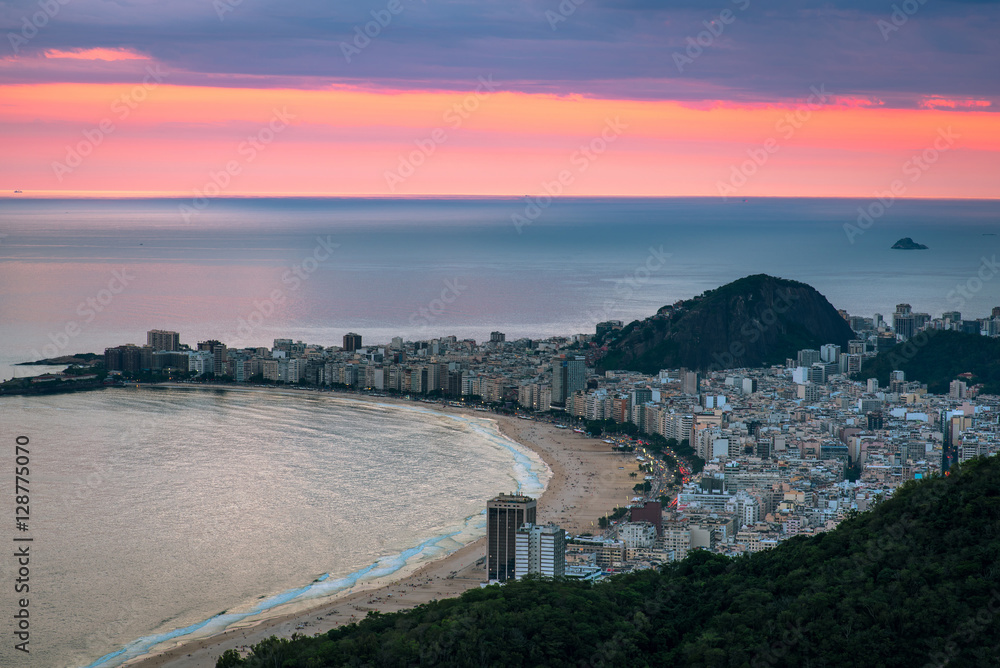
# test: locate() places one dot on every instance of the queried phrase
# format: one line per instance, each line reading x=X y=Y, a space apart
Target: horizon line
x=170 y=194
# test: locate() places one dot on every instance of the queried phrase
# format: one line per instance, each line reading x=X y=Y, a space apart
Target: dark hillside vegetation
x=913 y=582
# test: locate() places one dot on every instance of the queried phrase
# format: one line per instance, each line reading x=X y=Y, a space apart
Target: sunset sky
x=584 y=97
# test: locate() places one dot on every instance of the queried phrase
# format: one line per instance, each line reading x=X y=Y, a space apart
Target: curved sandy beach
x=586 y=483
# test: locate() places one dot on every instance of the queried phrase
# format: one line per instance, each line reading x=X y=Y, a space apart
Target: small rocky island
x=906 y=243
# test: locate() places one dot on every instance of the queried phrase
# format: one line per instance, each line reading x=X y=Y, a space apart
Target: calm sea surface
x=154 y=510
x=314 y=269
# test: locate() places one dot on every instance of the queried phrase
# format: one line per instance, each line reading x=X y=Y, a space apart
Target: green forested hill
x=937 y=357
x=756 y=320
x=912 y=583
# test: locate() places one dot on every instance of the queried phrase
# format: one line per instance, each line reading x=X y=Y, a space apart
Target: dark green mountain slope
x=912 y=583
x=937 y=358
x=754 y=321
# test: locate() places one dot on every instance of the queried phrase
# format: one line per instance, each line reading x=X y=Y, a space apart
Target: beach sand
x=586 y=484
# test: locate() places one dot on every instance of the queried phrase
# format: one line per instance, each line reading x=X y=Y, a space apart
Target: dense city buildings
x=761 y=454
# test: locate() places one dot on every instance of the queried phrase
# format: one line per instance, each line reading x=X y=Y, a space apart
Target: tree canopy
x=912 y=582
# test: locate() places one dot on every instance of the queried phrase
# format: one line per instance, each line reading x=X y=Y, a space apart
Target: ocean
x=157 y=509
x=166 y=514
x=81 y=275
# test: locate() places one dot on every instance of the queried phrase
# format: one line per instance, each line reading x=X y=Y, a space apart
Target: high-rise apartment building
x=569 y=375
x=808 y=357
x=352 y=342
x=849 y=363
x=903 y=322
x=829 y=353
x=904 y=325
x=690 y=382
x=505 y=514
x=126 y=358
x=218 y=350
x=859 y=324
x=159 y=339
x=809 y=392
x=540 y=550
x=817 y=374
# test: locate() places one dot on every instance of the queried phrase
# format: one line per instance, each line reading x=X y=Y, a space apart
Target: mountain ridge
x=753 y=321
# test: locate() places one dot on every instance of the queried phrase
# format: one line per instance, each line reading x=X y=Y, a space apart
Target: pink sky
x=159 y=137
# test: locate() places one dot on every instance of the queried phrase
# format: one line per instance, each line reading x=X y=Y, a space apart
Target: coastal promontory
x=751 y=322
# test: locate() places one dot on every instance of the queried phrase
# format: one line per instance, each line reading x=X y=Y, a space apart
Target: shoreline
x=579 y=490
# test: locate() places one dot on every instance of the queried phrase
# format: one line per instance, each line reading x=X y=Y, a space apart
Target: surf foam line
x=324 y=586
x=529 y=471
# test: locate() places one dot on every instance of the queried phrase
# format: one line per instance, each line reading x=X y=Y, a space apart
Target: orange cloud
x=96 y=54
x=944 y=103
x=345 y=140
